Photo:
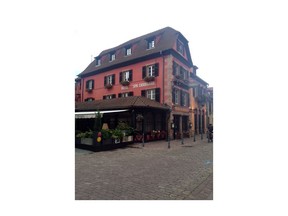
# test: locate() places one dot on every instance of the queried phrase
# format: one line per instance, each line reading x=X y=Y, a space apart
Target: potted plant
x=117 y=135
x=106 y=136
x=126 y=130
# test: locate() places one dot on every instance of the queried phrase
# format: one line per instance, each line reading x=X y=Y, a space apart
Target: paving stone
x=153 y=172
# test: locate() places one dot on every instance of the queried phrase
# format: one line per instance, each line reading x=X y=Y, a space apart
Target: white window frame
x=151 y=94
x=112 y=57
x=151 y=70
x=176 y=96
x=128 y=51
x=90 y=82
x=125 y=76
x=180 y=47
x=185 y=99
x=151 y=44
x=109 y=79
x=126 y=94
x=98 y=62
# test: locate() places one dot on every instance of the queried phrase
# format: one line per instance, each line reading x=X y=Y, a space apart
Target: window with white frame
x=151 y=94
x=151 y=70
x=185 y=99
x=109 y=80
x=125 y=76
x=176 y=96
x=112 y=56
x=126 y=94
x=151 y=43
x=90 y=84
x=107 y=97
x=128 y=51
x=180 y=47
x=98 y=61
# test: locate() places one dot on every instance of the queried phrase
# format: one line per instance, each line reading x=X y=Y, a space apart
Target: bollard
x=143 y=140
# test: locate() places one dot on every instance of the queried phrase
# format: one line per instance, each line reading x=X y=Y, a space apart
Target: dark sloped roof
x=119 y=103
x=167 y=35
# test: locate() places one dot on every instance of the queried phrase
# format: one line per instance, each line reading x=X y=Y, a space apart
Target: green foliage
x=123 y=126
x=106 y=134
x=117 y=133
x=86 y=134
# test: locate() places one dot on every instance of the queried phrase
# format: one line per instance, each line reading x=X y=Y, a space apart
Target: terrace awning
x=92 y=114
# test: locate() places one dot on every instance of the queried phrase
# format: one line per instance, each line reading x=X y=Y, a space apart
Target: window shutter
x=120 y=77
x=104 y=97
x=173 y=95
x=92 y=84
x=156 y=69
x=130 y=75
x=143 y=72
x=114 y=95
x=130 y=94
x=113 y=79
x=105 y=81
x=119 y=95
x=87 y=84
x=143 y=93
x=157 y=94
x=181 y=98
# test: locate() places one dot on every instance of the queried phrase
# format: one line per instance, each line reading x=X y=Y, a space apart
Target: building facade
x=157 y=66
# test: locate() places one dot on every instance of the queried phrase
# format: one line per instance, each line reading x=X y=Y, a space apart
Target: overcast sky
x=240 y=48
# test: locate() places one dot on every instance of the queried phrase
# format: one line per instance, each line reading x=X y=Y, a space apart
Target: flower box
x=108 y=86
x=125 y=83
x=149 y=78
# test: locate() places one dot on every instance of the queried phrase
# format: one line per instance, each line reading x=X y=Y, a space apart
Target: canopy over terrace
x=133 y=102
x=155 y=115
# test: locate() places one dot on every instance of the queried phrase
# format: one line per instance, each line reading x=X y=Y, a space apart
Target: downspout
x=163 y=77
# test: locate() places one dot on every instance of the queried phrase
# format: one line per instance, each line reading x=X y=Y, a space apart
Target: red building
x=157 y=66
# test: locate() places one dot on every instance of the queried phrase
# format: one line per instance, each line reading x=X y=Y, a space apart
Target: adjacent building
x=156 y=66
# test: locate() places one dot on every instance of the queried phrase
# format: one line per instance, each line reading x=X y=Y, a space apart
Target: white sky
x=240 y=48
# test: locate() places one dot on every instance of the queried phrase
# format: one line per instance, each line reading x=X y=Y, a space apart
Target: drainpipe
x=82 y=89
x=163 y=76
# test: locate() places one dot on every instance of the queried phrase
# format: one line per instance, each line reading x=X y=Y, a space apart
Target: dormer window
x=112 y=56
x=151 y=43
x=98 y=61
x=180 y=47
x=128 y=51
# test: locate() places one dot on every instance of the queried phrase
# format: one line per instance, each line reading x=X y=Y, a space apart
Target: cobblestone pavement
x=152 y=172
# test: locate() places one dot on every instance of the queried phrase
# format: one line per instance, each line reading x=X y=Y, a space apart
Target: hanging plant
x=139 y=117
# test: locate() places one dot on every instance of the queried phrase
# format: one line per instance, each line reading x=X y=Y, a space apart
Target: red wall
x=136 y=85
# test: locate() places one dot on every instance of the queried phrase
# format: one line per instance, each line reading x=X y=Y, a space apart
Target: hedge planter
x=87 y=141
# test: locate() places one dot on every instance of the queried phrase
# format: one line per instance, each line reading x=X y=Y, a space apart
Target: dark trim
x=129 y=62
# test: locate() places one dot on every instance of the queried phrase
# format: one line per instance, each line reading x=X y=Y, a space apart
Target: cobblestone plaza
x=153 y=172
